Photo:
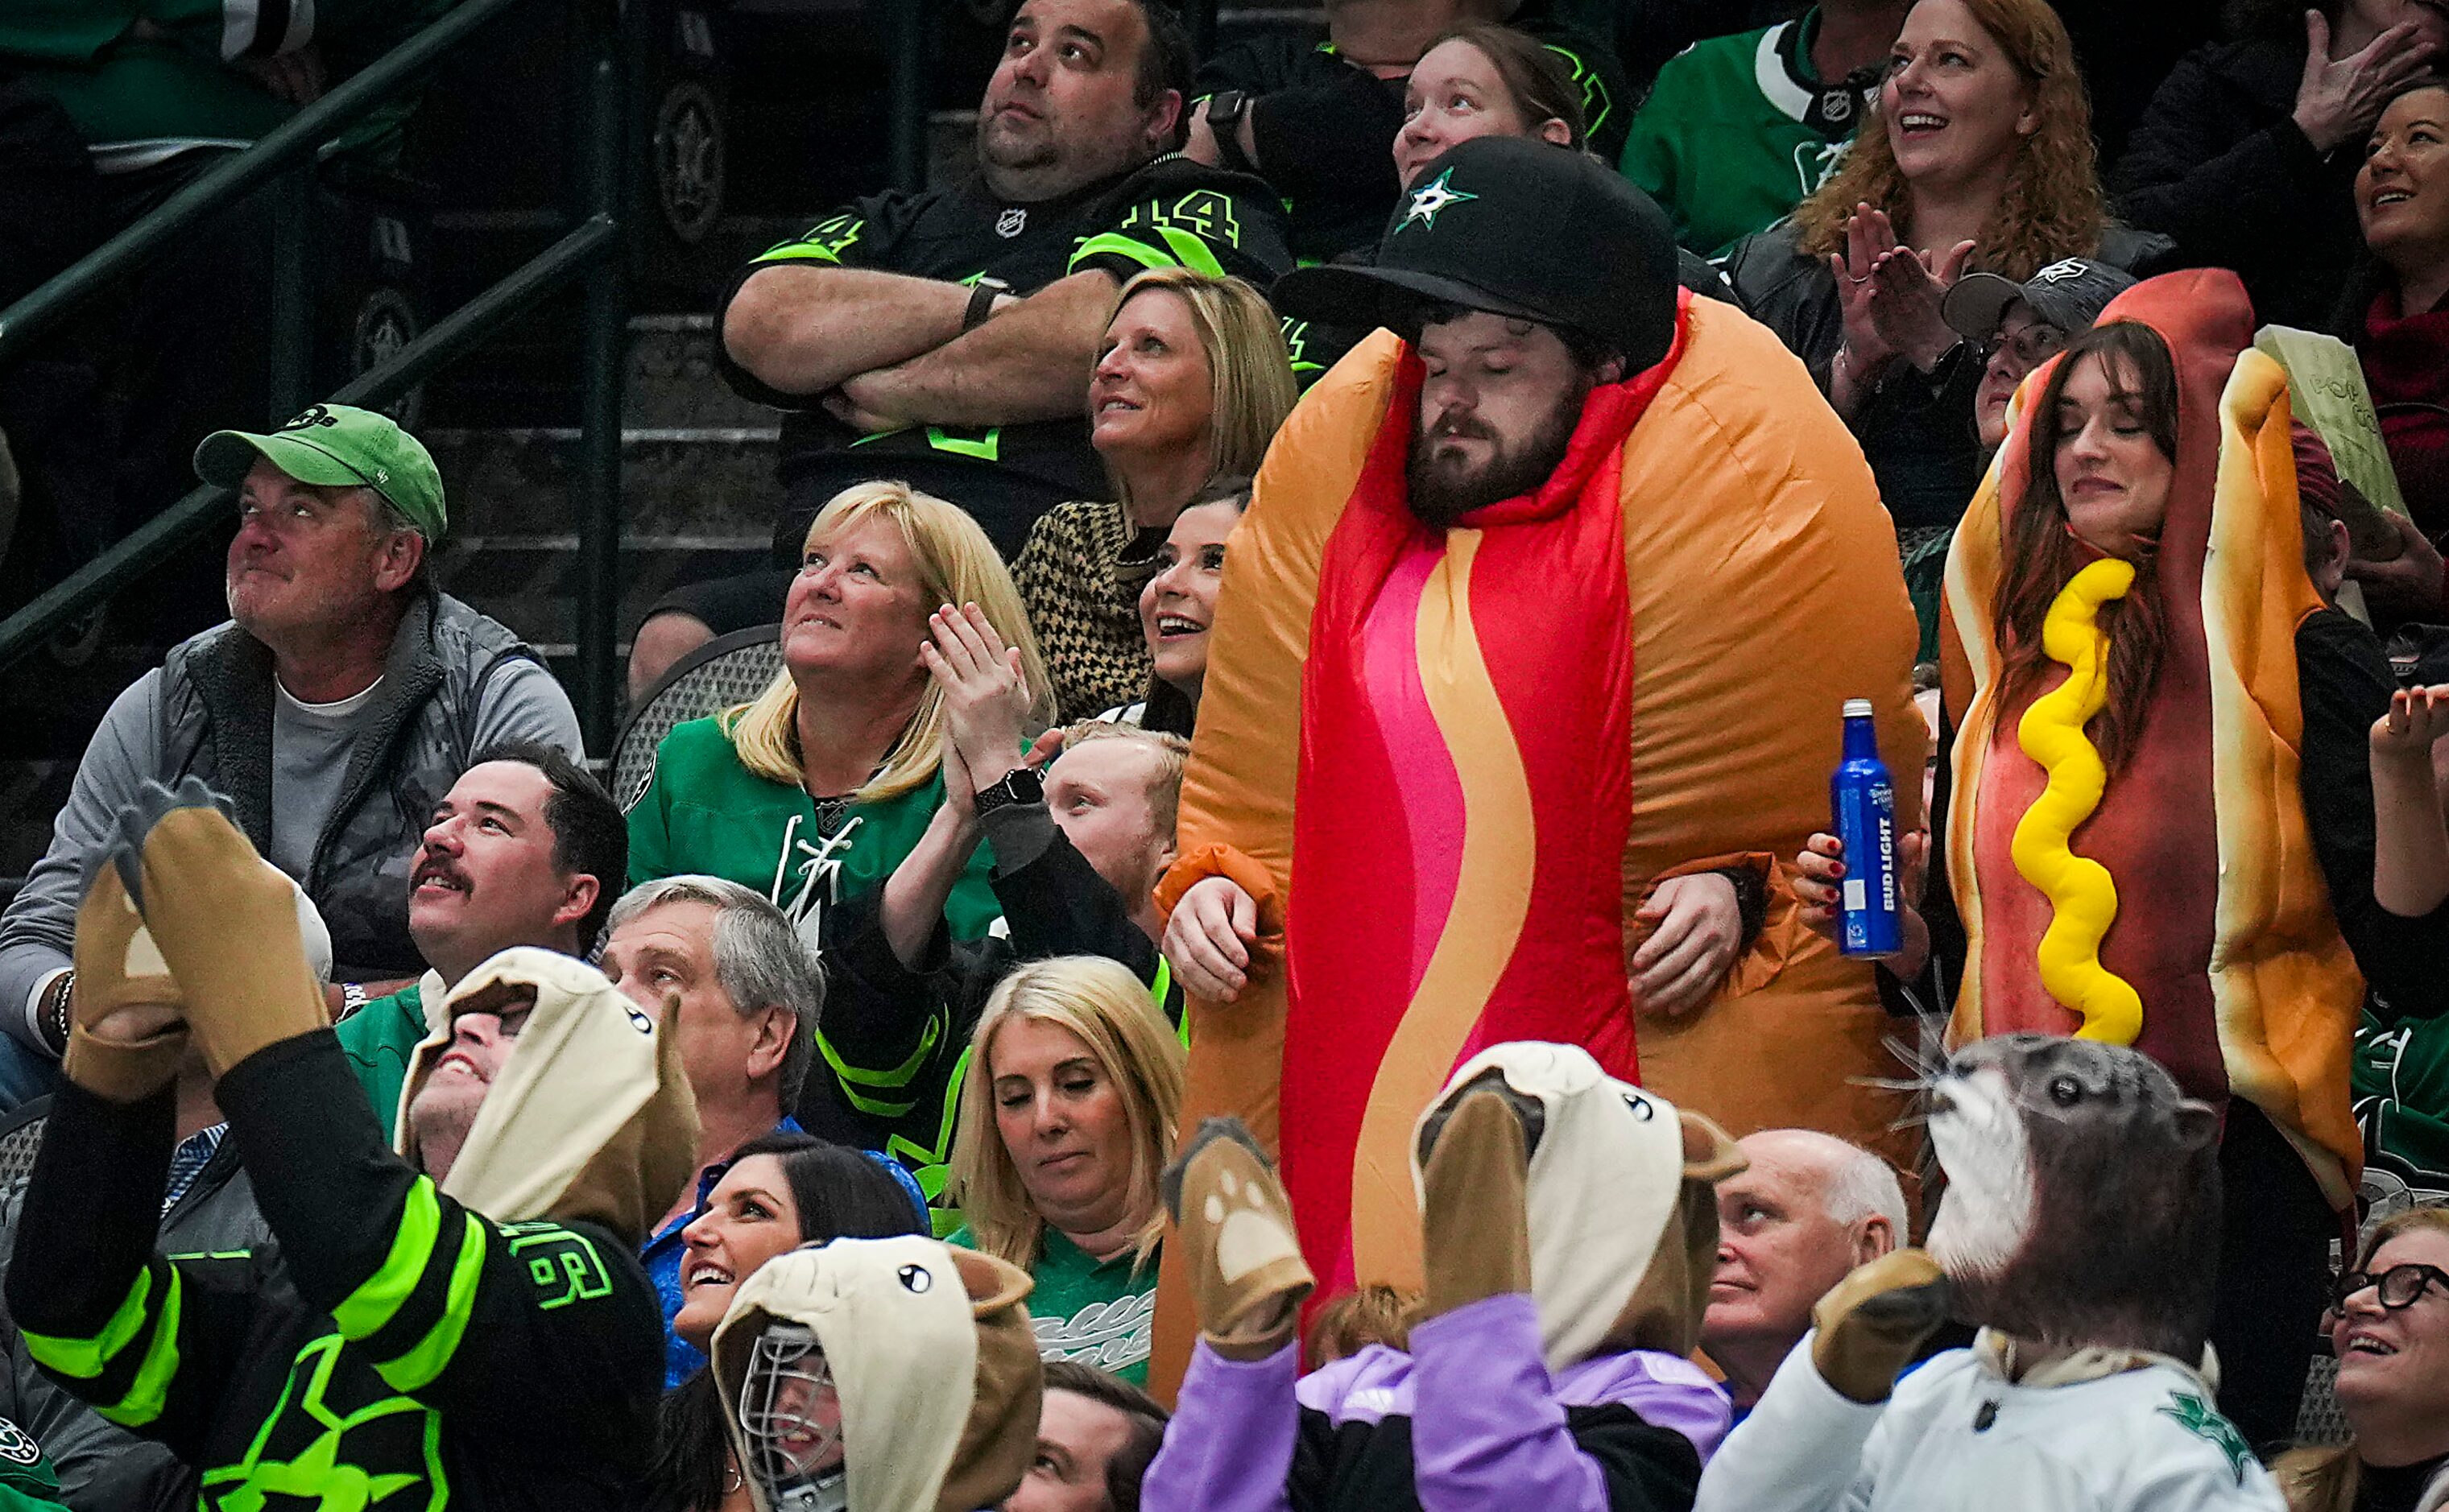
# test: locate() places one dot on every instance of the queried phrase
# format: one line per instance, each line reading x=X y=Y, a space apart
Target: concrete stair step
x=530 y=583
x=676 y=481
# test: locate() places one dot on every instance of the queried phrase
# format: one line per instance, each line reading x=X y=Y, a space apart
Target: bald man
x=1810 y=1208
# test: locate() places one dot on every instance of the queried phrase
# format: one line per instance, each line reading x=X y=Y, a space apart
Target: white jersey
x=1957 y=1436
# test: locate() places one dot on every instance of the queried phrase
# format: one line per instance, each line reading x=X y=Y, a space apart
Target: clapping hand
x=987 y=697
x=2338 y=100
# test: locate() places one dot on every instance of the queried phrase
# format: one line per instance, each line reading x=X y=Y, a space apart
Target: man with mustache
x=945 y=337
x=1532 y=648
x=526 y=849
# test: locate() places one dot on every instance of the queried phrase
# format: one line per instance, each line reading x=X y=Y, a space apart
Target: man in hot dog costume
x=1492 y=676
x=2168 y=864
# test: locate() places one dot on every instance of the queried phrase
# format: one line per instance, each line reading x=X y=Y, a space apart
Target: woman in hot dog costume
x=1697 y=591
x=2147 y=696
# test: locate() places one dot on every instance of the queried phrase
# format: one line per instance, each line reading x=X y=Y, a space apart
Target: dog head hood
x=590 y=1116
x=1622 y=1201
x=930 y=1351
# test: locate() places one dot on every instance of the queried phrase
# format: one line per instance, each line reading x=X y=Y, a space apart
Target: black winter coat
x=2219 y=168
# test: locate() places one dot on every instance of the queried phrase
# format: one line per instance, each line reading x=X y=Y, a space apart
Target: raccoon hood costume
x=1571 y=1229
x=2089 y=1386
x=880 y=1375
x=487 y=1340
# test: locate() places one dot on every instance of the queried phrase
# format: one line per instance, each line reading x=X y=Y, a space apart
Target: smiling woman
x=817 y=790
x=782 y=1191
x=2389 y=1326
x=1192 y=380
x=2397 y=314
x=1066 y=1121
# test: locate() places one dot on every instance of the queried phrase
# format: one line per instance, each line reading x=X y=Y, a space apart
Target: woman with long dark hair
x=782 y=1191
x=2157 y=821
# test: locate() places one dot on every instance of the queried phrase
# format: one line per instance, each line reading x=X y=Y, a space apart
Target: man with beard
x=526 y=849
x=945 y=337
x=1530 y=653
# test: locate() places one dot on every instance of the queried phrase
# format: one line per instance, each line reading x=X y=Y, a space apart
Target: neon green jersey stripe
x=150 y=1391
x=1192 y=251
x=894 y=1077
x=377 y=1298
x=84 y=1358
x=432 y=1353
x=1122 y=246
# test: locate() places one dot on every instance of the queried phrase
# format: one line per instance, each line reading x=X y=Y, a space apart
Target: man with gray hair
x=1809 y=1209
x=334 y=710
x=732 y=980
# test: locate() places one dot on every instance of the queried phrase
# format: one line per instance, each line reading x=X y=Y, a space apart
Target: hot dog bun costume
x=2177 y=907
x=1450 y=765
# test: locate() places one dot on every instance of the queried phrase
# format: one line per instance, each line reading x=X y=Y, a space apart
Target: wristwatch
x=1019 y=785
x=1224 y=112
x=982 y=303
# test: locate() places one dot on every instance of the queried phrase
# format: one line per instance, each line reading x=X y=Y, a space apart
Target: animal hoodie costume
x=2079 y=1227
x=485 y=1341
x=929 y=1354
x=2196 y=923
x=1570 y=1223
x=1450 y=765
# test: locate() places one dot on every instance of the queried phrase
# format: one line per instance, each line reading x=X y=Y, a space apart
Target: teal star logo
x=1430 y=199
x=2202 y=1421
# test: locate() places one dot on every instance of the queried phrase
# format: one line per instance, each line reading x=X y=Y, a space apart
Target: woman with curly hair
x=1983 y=160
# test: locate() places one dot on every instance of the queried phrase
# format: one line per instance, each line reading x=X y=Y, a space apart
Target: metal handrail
x=591 y=249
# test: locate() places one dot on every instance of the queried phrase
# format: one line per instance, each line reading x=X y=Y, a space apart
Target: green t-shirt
x=700 y=811
x=2400 y=1080
x=378 y=1039
x=1736 y=132
x=1100 y=1313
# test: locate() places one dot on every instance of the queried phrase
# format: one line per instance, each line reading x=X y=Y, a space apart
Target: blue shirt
x=664 y=1254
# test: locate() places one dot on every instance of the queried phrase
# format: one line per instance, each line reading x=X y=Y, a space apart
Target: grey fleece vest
x=217 y=692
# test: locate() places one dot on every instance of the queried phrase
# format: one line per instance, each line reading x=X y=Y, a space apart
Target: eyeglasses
x=2399 y=1286
x=2031 y=347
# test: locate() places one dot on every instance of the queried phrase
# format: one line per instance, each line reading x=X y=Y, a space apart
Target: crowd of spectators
x=423 y=1121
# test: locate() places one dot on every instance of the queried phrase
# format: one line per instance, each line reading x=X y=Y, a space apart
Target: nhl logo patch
x=1837 y=105
x=1011 y=222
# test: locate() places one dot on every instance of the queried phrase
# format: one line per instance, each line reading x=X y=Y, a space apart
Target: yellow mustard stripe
x=2082 y=895
x=150 y=1391
x=377 y=1298
x=84 y=1358
x=432 y=1353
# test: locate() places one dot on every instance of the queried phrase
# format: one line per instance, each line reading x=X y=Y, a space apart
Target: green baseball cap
x=337 y=446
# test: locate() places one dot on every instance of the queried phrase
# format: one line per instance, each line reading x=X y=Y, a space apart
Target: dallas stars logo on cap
x=1430 y=199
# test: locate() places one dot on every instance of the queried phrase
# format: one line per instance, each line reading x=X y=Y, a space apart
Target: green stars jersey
x=1172 y=212
x=702 y=812
x=2400 y=1080
x=1100 y=1313
x=1739 y=131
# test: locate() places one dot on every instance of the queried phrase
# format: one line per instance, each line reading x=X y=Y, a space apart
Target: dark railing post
x=604 y=359
x=906 y=97
x=294 y=237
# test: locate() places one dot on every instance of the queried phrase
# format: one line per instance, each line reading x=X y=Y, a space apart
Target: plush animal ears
x=1709 y=1153
x=2198 y=1124
x=993 y=1284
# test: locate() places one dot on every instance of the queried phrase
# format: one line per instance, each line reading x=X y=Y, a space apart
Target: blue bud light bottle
x=1866 y=809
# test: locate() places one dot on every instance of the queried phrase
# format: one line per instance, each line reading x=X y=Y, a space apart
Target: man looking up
x=526 y=849
x=1808 y=1210
x=335 y=708
x=461 y=1324
x=725 y=972
x=1531 y=621
x=946 y=337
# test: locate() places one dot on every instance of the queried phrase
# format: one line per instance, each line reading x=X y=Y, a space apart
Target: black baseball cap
x=2068 y=294
x=1518 y=227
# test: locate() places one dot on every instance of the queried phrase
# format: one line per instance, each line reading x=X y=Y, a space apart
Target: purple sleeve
x=1229 y=1448
x=1488 y=1434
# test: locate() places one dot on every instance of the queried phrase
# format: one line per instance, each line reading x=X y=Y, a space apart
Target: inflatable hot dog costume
x=2177 y=907
x=1450 y=765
